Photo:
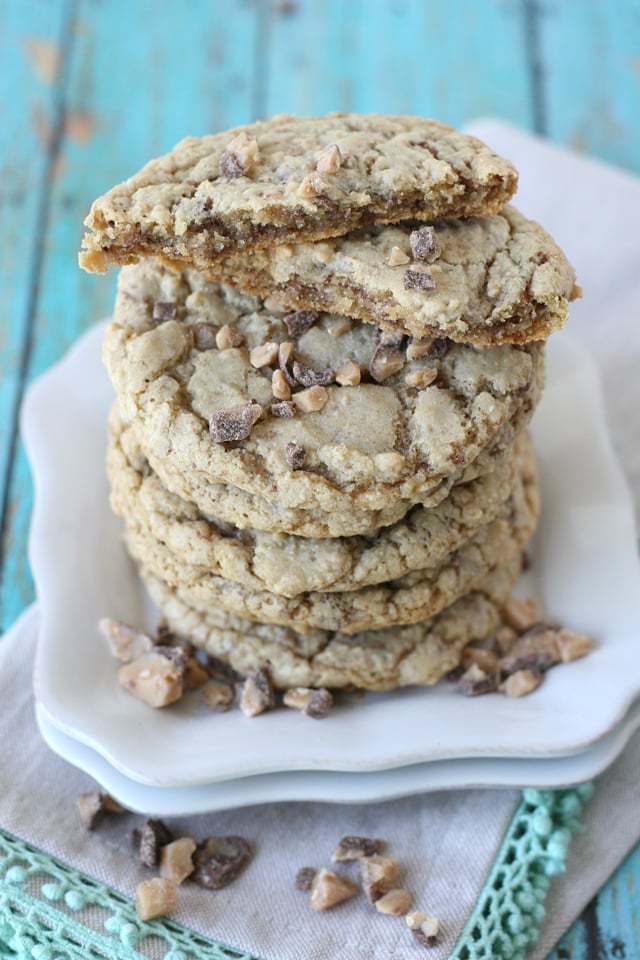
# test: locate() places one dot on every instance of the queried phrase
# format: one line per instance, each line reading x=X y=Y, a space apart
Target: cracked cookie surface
x=410 y=598
x=495 y=280
x=367 y=447
x=384 y=659
x=283 y=179
x=290 y=565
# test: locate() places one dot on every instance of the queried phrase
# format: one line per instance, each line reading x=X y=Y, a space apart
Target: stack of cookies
x=327 y=343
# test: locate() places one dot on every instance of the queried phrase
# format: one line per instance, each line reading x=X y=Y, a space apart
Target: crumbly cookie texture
x=375 y=660
x=290 y=565
x=208 y=415
x=243 y=511
x=407 y=599
x=491 y=280
x=283 y=180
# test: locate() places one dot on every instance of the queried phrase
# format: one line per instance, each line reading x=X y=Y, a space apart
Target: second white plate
x=584 y=561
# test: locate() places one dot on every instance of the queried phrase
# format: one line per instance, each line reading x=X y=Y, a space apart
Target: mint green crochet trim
x=39 y=897
x=51 y=912
x=507 y=917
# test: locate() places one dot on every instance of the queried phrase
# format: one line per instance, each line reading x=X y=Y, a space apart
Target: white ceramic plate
x=585 y=564
x=326 y=787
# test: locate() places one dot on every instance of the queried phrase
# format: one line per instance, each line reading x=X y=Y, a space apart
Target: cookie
x=481 y=280
x=290 y=179
x=290 y=565
x=244 y=511
x=377 y=660
x=208 y=415
x=415 y=596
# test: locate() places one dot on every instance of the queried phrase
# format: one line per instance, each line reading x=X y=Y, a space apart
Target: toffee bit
x=308 y=377
x=204 y=336
x=353 y=848
x=330 y=161
x=300 y=321
x=378 y=875
x=217 y=695
x=395 y=903
x=388 y=338
x=423 y=928
x=156 y=898
x=520 y=683
x=424 y=245
x=419 y=348
x=385 y=361
x=520 y=614
x=125 y=642
x=538 y=649
x=415 y=279
x=164 y=310
x=295 y=455
x=228 y=337
x=176 y=861
x=475 y=681
x=349 y=375
x=285 y=409
x=311 y=400
x=398 y=258
x=573 y=645
x=263 y=355
x=257 y=694
x=157 y=678
x=93 y=806
x=234 y=423
x=279 y=386
x=240 y=156
x=304 y=878
x=313 y=185
x=218 y=861
x=154 y=835
x=319 y=705
x=329 y=888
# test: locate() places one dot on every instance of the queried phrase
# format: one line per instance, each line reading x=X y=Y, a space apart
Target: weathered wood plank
x=120 y=110
x=591 y=61
x=399 y=56
x=34 y=37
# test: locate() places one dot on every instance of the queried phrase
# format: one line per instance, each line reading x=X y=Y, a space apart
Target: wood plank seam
x=44 y=204
x=532 y=14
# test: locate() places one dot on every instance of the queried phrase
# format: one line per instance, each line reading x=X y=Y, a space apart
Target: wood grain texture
x=90 y=89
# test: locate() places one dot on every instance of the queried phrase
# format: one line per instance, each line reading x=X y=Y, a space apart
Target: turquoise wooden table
x=90 y=89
